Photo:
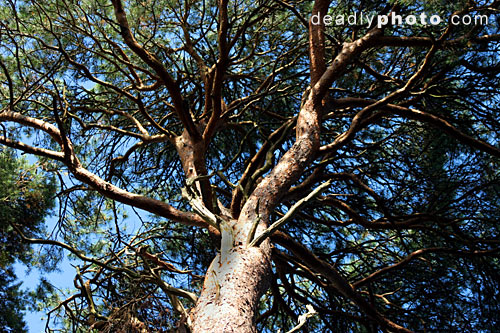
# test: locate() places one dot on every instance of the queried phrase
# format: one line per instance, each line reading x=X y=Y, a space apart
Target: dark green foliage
x=12 y=304
x=25 y=200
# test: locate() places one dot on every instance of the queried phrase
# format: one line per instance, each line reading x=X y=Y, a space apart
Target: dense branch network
x=225 y=120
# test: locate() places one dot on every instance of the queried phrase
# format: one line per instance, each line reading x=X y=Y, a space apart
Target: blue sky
x=30 y=278
x=63 y=278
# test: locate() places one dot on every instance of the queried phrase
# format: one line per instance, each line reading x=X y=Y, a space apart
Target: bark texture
x=234 y=283
x=239 y=275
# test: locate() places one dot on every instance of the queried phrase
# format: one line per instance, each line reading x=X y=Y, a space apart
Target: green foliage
x=399 y=184
x=26 y=197
x=25 y=200
x=13 y=303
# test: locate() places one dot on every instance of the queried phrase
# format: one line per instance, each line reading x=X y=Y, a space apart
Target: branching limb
x=335 y=278
x=199 y=207
x=58 y=156
x=417 y=254
x=303 y=318
x=74 y=251
x=100 y=185
x=240 y=191
x=158 y=67
x=255 y=223
x=270 y=230
x=411 y=113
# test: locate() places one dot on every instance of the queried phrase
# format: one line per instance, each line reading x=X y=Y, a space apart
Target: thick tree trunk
x=239 y=276
x=234 y=283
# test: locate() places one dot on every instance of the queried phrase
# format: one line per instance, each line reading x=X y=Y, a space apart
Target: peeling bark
x=234 y=283
x=239 y=275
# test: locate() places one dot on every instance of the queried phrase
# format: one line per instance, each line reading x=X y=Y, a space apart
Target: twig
x=257 y=241
x=303 y=318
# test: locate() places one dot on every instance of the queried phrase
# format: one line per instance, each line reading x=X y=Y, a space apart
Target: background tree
x=351 y=168
x=25 y=200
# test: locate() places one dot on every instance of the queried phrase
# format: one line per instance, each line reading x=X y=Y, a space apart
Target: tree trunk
x=234 y=283
x=239 y=275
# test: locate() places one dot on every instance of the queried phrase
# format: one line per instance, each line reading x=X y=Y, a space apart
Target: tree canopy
x=233 y=166
x=25 y=199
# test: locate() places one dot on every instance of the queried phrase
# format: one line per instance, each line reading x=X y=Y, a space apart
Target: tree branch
x=158 y=67
x=291 y=212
